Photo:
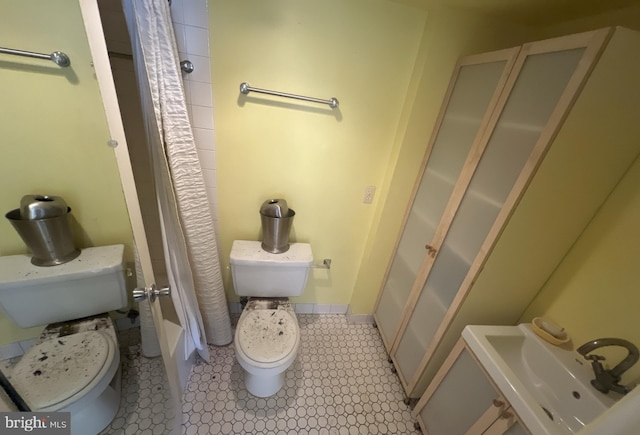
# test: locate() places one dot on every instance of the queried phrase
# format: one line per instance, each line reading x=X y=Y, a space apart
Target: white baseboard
x=359 y=318
x=236 y=308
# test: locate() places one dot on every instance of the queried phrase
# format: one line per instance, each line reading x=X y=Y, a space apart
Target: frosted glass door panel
x=505 y=155
x=474 y=88
x=535 y=94
x=468 y=104
x=533 y=98
x=460 y=400
x=430 y=310
x=418 y=334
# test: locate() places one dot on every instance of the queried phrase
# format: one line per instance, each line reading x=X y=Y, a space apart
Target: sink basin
x=548 y=386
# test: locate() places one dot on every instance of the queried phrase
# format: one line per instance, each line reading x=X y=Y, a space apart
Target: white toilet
x=74 y=366
x=267 y=335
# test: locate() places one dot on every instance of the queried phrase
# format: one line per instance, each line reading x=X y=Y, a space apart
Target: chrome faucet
x=609 y=380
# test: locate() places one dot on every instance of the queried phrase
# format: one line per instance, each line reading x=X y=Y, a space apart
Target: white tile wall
x=202 y=117
x=321 y=308
x=203 y=72
x=235 y=307
x=11 y=350
x=25 y=345
x=339 y=308
x=208 y=156
x=195 y=13
x=19 y=348
x=201 y=94
x=191 y=26
x=204 y=138
x=304 y=308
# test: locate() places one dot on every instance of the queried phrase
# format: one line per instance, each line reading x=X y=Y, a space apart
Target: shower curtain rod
x=245 y=89
x=185 y=65
x=57 y=57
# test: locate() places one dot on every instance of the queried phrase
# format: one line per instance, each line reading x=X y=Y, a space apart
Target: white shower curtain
x=188 y=235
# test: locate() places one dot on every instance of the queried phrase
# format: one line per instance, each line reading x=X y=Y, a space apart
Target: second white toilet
x=267 y=336
x=74 y=365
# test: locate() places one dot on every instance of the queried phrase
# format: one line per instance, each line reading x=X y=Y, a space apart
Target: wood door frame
x=102 y=66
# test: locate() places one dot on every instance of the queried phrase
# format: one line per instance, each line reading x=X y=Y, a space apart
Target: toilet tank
x=90 y=284
x=259 y=273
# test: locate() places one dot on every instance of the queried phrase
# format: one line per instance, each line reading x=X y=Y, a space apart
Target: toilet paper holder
x=326 y=264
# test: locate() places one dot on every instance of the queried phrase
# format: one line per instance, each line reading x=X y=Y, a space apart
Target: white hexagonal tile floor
x=145 y=402
x=340 y=383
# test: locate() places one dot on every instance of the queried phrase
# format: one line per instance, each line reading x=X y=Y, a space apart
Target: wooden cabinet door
x=537 y=96
x=499 y=409
x=472 y=94
x=507 y=423
x=460 y=400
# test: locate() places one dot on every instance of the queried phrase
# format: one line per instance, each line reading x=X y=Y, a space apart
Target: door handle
x=430 y=250
x=151 y=293
x=506 y=415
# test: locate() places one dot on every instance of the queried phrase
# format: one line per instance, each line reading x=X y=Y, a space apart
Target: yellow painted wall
x=318 y=159
x=464 y=33
x=321 y=160
x=54 y=134
x=628 y=17
x=594 y=292
x=449 y=35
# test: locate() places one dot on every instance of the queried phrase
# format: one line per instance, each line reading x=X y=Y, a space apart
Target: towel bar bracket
x=326 y=264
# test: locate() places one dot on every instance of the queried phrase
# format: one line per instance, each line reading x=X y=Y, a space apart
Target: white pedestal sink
x=548 y=386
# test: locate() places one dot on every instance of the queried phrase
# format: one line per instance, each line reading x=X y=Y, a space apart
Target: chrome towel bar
x=245 y=89
x=57 y=57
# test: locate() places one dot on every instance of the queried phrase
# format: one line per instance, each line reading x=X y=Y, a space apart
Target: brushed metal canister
x=48 y=239
x=42 y=206
x=276 y=219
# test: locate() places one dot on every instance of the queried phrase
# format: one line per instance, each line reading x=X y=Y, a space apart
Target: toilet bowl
x=74 y=366
x=267 y=335
x=266 y=343
x=74 y=371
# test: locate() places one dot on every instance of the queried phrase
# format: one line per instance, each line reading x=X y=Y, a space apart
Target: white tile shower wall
x=10 y=350
x=191 y=26
x=26 y=344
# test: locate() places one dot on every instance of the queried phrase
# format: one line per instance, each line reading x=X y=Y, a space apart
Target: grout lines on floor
x=340 y=383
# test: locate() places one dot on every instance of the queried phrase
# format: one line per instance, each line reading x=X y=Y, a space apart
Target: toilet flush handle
x=151 y=292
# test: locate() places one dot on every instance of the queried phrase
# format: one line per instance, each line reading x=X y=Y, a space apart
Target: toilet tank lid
x=17 y=270
x=250 y=252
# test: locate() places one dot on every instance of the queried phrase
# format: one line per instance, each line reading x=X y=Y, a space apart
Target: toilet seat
x=61 y=370
x=267 y=336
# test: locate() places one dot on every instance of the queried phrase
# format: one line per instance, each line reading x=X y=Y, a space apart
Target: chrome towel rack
x=57 y=57
x=245 y=89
